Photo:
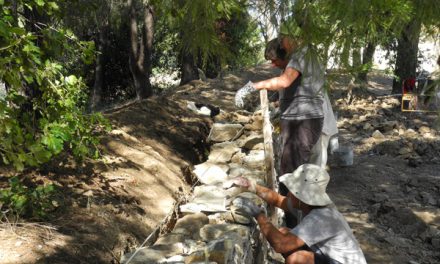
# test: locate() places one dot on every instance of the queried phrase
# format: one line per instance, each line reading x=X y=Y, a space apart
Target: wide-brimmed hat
x=308 y=183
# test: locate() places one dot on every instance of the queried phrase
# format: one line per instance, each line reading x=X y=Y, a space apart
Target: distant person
x=277 y=55
x=429 y=86
x=322 y=235
x=300 y=99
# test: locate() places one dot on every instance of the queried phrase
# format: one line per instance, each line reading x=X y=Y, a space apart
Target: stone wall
x=211 y=230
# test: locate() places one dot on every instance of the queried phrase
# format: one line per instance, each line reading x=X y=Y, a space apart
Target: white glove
x=242 y=93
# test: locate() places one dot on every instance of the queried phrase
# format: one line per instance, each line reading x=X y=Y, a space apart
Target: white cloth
x=319 y=153
x=326 y=229
x=330 y=127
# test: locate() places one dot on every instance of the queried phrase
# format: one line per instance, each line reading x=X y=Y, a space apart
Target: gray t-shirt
x=303 y=99
x=326 y=229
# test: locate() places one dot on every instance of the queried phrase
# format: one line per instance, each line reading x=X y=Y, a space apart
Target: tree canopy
x=42 y=112
x=59 y=59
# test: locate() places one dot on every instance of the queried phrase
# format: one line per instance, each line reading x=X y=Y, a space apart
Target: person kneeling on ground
x=322 y=235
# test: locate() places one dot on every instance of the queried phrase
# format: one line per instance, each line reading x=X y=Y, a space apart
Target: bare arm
x=278 y=83
x=281 y=242
x=271 y=197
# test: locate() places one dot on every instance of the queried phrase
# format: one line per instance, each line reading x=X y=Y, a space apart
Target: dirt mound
x=115 y=203
x=108 y=207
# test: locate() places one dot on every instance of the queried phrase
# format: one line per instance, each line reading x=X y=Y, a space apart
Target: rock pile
x=382 y=129
x=395 y=178
x=212 y=230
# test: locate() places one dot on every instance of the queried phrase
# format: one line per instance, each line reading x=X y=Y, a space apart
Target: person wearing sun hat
x=322 y=234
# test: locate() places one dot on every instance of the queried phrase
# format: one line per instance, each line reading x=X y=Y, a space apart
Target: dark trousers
x=297 y=140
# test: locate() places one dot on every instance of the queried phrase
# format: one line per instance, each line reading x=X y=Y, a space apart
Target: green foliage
x=348 y=25
x=196 y=23
x=87 y=18
x=217 y=33
x=166 y=46
x=20 y=200
x=42 y=112
x=242 y=38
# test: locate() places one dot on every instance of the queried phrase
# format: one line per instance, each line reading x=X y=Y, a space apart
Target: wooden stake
x=268 y=150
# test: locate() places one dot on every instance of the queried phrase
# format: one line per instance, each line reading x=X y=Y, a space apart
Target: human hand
x=242 y=93
x=248 y=207
x=241 y=182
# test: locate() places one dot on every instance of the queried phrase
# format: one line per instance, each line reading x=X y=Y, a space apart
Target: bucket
x=333 y=144
x=343 y=156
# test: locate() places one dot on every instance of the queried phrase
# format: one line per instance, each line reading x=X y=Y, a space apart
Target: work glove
x=242 y=93
x=248 y=207
x=242 y=182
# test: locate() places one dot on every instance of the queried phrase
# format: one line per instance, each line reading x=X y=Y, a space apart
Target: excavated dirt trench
x=390 y=196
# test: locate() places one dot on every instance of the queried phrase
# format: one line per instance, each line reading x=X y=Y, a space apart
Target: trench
x=205 y=227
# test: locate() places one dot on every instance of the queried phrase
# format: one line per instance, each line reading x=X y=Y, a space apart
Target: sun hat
x=308 y=183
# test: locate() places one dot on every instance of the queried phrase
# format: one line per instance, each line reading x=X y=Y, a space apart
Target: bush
x=30 y=202
x=43 y=110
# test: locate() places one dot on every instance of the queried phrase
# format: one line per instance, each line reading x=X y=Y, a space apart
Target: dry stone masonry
x=211 y=230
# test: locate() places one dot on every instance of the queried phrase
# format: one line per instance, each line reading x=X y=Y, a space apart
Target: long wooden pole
x=268 y=150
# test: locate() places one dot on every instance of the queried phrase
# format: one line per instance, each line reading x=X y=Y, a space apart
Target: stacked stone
x=212 y=230
x=385 y=131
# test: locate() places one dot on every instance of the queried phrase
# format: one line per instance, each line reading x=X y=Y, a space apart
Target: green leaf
x=49 y=188
x=28 y=6
x=71 y=80
x=17 y=30
x=14 y=181
x=53 y=143
x=8 y=126
x=40 y=2
x=22 y=157
x=2 y=2
x=60 y=133
x=20 y=201
x=53 y=5
x=29 y=79
x=18 y=164
x=43 y=156
x=5 y=160
x=31 y=161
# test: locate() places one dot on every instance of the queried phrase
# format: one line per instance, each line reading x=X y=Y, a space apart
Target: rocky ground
x=390 y=195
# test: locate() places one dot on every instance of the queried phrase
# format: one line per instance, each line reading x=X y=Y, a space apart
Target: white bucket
x=343 y=156
x=333 y=144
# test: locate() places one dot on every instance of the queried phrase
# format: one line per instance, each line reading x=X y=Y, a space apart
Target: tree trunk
x=99 y=68
x=212 y=68
x=367 y=59
x=407 y=49
x=188 y=69
x=356 y=58
x=148 y=40
x=139 y=61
